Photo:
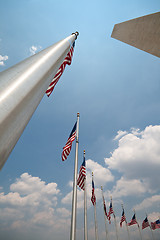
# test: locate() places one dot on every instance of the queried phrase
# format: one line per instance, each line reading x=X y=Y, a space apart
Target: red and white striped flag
x=110 y=212
x=155 y=225
x=145 y=223
x=133 y=221
x=82 y=175
x=93 y=198
x=68 y=146
x=67 y=61
x=123 y=218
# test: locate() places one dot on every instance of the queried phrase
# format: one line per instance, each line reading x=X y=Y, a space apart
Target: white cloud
x=27 y=184
x=125 y=187
x=152 y=217
x=102 y=175
x=148 y=202
x=63 y=212
x=138 y=156
x=120 y=134
x=2 y=59
x=33 y=49
x=30 y=200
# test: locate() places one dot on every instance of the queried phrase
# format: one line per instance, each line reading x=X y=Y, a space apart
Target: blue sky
x=115 y=87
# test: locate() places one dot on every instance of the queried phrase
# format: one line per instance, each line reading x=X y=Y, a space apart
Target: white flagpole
x=107 y=237
x=115 y=223
x=95 y=218
x=74 y=197
x=138 y=226
x=126 y=225
x=150 y=228
x=85 y=208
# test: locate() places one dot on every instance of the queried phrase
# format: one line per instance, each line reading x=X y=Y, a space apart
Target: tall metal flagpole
x=126 y=225
x=138 y=226
x=106 y=228
x=95 y=218
x=115 y=223
x=21 y=89
x=85 y=207
x=150 y=228
x=74 y=197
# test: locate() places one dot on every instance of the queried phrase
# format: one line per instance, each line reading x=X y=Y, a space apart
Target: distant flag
x=155 y=225
x=145 y=223
x=110 y=212
x=104 y=206
x=67 y=61
x=68 y=146
x=123 y=218
x=93 y=198
x=133 y=221
x=82 y=175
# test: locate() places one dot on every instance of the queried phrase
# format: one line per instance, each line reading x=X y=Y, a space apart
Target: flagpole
x=74 y=197
x=85 y=207
x=126 y=225
x=95 y=218
x=22 y=87
x=138 y=226
x=115 y=223
x=150 y=228
x=107 y=237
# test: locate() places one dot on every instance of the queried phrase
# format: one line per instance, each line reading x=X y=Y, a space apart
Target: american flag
x=133 y=221
x=68 y=146
x=155 y=225
x=93 y=198
x=110 y=212
x=104 y=206
x=123 y=218
x=60 y=71
x=82 y=175
x=145 y=223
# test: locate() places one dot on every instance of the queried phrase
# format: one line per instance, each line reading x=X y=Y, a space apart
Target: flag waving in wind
x=93 y=198
x=133 y=221
x=123 y=218
x=155 y=225
x=110 y=212
x=82 y=175
x=145 y=223
x=104 y=206
x=68 y=146
x=67 y=61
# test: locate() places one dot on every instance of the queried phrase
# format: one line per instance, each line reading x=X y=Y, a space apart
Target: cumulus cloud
x=102 y=175
x=27 y=184
x=148 y=202
x=138 y=156
x=125 y=187
x=3 y=59
x=30 y=201
x=33 y=49
x=120 y=134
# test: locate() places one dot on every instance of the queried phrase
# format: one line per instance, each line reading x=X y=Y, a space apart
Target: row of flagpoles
x=81 y=182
